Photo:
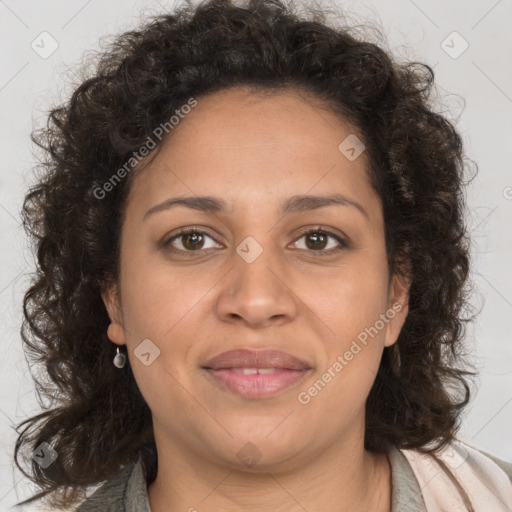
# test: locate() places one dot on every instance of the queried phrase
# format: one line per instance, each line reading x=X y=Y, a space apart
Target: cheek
x=166 y=306
x=350 y=308
x=160 y=305
x=344 y=378
x=157 y=299
x=350 y=300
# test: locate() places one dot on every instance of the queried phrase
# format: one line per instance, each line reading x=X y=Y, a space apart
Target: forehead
x=238 y=144
x=240 y=118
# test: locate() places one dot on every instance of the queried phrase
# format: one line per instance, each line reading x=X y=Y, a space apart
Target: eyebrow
x=295 y=204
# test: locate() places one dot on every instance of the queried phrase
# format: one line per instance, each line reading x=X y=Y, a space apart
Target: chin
x=259 y=452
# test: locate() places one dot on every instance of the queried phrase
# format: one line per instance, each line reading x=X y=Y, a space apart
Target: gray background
x=475 y=90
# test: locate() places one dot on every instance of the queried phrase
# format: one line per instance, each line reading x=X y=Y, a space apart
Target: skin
x=255 y=151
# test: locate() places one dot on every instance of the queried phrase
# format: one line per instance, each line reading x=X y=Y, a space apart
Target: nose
x=257 y=293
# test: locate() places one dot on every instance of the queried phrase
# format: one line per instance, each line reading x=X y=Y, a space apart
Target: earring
x=119 y=359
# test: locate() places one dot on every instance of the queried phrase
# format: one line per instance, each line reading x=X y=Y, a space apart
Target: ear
x=398 y=307
x=110 y=296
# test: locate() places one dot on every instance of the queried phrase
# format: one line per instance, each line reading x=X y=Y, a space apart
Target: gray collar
x=406 y=493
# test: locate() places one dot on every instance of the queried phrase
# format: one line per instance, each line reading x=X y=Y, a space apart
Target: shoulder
x=481 y=455
x=126 y=492
x=460 y=466
x=505 y=466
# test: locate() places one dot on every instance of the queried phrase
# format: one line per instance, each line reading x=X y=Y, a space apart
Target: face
x=309 y=280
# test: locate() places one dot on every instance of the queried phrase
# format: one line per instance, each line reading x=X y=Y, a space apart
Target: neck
x=349 y=480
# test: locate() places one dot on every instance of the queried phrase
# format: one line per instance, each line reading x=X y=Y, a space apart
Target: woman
x=264 y=217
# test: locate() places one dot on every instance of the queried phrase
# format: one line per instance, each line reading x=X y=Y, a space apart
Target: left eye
x=319 y=240
x=193 y=240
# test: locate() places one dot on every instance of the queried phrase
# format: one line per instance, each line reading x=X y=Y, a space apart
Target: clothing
x=488 y=487
x=128 y=491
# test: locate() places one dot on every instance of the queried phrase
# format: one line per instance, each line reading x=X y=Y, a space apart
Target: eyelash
x=197 y=230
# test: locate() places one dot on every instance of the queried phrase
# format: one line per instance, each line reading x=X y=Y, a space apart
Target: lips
x=245 y=358
x=256 y=374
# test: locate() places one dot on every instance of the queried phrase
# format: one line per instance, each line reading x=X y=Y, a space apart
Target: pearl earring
x=119 y=359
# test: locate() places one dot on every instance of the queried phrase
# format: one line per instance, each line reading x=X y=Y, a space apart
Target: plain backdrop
x=466 y=42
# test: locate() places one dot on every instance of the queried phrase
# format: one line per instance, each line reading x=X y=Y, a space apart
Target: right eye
x=191 y=239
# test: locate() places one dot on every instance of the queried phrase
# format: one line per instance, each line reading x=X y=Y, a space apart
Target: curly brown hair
x=97 y=419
